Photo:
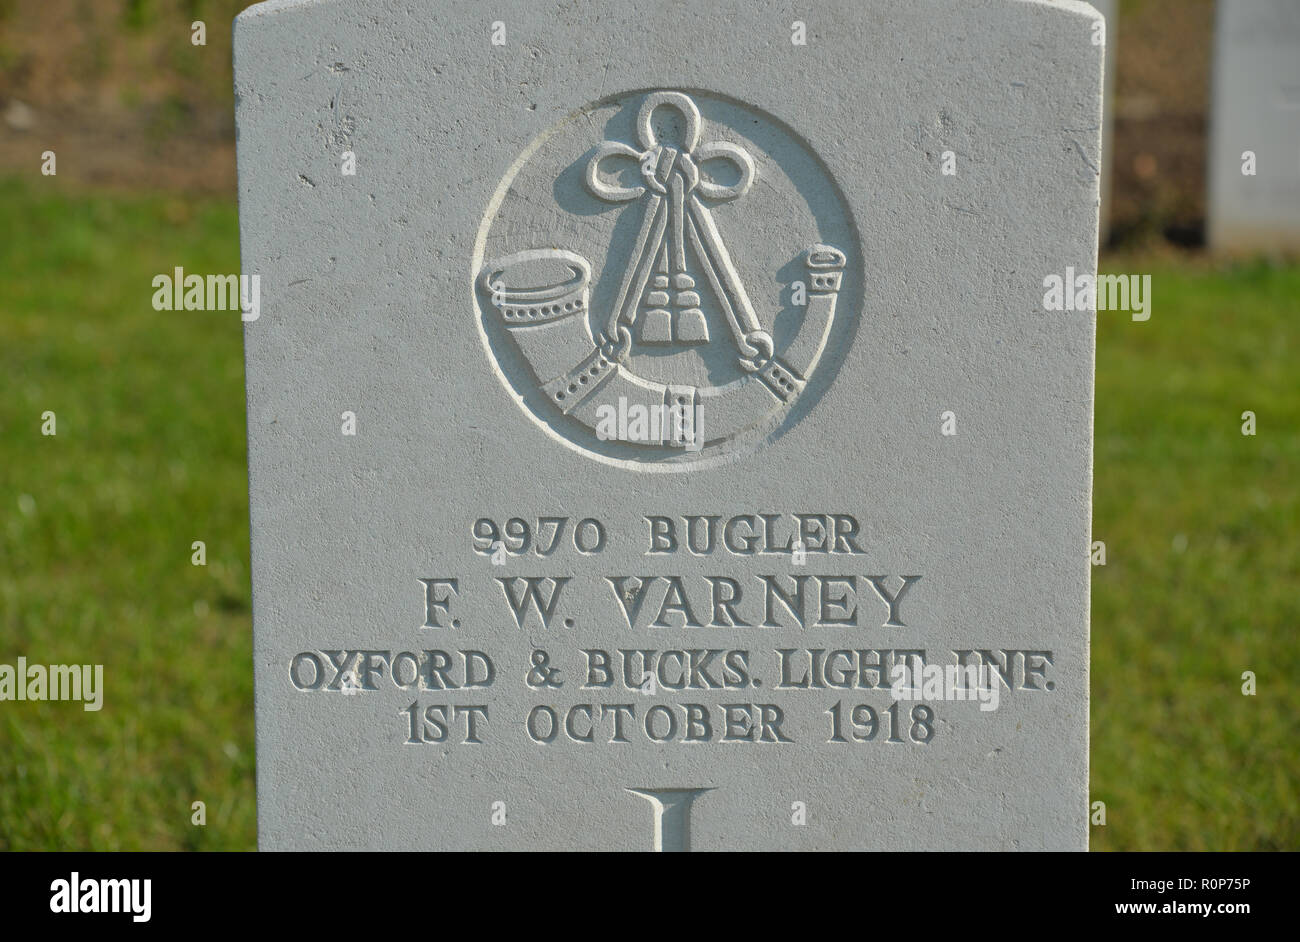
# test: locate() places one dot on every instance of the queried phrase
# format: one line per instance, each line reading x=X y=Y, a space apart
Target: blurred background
x=1201 y=580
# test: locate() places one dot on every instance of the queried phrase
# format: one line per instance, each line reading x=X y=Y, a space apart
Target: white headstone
x=660 y=378
x=1255 y=127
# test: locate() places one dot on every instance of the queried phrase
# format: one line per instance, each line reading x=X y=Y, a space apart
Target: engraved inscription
x=751 y=654
x=672 y=810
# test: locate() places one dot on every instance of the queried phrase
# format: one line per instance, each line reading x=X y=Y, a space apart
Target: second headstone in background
x=1254 y=203
x=1110 y=10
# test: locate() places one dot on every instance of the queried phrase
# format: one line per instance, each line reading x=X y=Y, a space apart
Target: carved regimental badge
x=682 y=278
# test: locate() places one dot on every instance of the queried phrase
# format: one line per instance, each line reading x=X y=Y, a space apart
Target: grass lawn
x=96 y=526
x=1202 y=574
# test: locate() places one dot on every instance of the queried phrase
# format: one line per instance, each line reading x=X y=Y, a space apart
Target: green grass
x=1202 y=566
x=1200 y=525
x=96 y=524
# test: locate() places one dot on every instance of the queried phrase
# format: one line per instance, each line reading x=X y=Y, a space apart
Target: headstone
x=1109 y=9
x=663 y=384
x=1254 y=200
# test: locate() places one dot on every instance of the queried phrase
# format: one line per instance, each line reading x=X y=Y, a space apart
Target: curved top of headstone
x=1081 y=7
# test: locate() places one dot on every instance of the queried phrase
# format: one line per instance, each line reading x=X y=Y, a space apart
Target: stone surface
x=629 y=205
x=1255 y=106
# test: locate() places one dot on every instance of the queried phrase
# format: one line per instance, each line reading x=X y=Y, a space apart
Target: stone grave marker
x=1254 y=161
x=653 y=406
x=1110 y=10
